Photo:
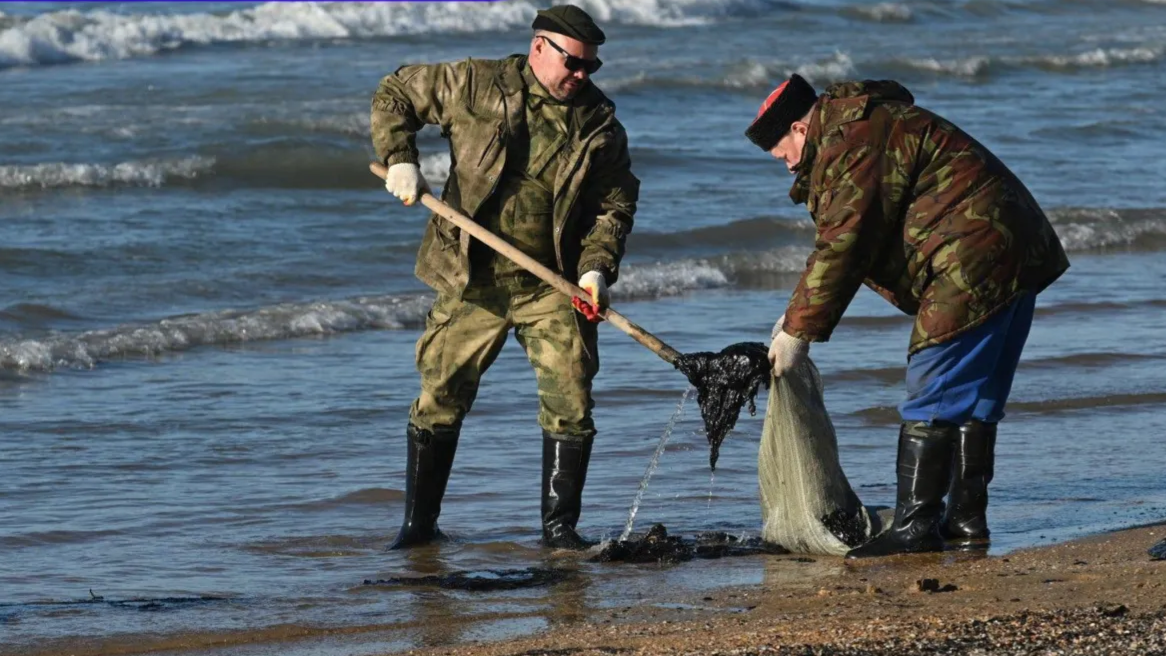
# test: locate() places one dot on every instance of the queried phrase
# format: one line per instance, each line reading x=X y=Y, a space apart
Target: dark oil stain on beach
x=1158 y=551
x=147 y=604
x=482 y=580
x=656 y=546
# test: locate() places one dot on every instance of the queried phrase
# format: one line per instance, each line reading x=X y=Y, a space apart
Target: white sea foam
x=73 y=35
x=87 y=349
x=159 y=173
x=966 y=67
x=832 y=69
x=884 y=12
x=1081 y=229
x=146 y=173
x=1099 y=58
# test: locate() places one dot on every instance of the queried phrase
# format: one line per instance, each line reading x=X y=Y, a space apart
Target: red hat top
x=787 y=103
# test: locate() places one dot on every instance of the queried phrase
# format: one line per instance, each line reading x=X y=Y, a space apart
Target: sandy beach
x=1099 y=595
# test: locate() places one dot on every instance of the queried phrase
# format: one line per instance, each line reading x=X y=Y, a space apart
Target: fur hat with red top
x=789 y=102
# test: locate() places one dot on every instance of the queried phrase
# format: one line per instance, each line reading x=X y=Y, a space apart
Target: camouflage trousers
x=464 y=336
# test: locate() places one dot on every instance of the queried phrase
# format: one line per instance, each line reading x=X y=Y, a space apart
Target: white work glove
x=593 y=283
x=595 y=286
x=786 y=351
x=405 y=181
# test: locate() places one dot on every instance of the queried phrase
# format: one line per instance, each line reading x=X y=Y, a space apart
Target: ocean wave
x=981 y=66
x=349 y=124
x=1083 y=229
x=1099 y=403
x=752 y=232
x=756 y=75
x=1100 y=307
x=82 y=350
x=741 y=269
x=33 y=313
x=968 y=67
x=1097 y=58
x=277 y=166
x=1074 y=362
x=837 y=67
x=1109 y=402
x=72 y=35
x=87 y=349
x=1080 y=229
x=145 y=173
x=312 y=166
x=882 y=12
x=751 y=75
x=669 y=279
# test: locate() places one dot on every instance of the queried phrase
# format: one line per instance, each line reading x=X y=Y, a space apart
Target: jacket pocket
x=448 y=235
x=491 y=145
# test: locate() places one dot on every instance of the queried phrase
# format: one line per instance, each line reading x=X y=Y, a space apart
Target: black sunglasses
x=574 y=63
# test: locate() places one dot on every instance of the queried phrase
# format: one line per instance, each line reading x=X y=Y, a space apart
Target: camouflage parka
x=476 y=103
x=918 y=210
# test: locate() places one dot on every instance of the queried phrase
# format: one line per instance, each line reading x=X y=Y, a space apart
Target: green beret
x=571 y=21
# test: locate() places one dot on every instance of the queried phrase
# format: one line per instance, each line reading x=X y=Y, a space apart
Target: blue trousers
x=969 y=377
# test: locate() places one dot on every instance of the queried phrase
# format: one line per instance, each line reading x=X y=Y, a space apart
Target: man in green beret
x=537 y=156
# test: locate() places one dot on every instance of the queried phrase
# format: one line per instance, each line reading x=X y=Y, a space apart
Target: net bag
x=807 y=504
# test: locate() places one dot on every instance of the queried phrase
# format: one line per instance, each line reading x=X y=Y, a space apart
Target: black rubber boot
x=973 y=464
x=430 y=460
x=565 y=461
x=924 y=473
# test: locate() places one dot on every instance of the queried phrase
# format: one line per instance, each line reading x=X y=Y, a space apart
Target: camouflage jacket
x=926 y=216
x=475 y=102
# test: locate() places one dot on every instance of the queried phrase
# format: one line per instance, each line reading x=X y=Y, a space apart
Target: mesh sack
x=807 y=504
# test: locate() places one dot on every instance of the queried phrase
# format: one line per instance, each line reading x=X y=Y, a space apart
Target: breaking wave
x=756 y=232
x=754 y=75
x=82 y=350
x=883 y=12
x=1079 y=229
x=1082 y=229
x=763 y=269
x=969 y=67
x=746 y=269
x=980 y=66
x=291 y=166
x=1098 y=58
x=750 y=75
x=87 y=349
x=72 y=35
x=145 y=173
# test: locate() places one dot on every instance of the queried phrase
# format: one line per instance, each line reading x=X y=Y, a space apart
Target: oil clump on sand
x=657 y=546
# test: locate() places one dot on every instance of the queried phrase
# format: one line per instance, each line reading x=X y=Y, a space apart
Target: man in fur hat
x=932 y=221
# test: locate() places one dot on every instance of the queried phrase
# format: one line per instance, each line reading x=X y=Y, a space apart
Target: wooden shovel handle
x=553 y=279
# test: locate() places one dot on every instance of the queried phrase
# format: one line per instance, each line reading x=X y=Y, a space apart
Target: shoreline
x=1100 y=594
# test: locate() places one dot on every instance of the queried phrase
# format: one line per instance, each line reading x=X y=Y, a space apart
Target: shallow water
x=653 y=464
x=206 y=351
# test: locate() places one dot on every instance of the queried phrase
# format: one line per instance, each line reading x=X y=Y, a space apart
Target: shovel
x=650 y=341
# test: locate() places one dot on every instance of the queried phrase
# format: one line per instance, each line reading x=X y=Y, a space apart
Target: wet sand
x=1099 y=595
